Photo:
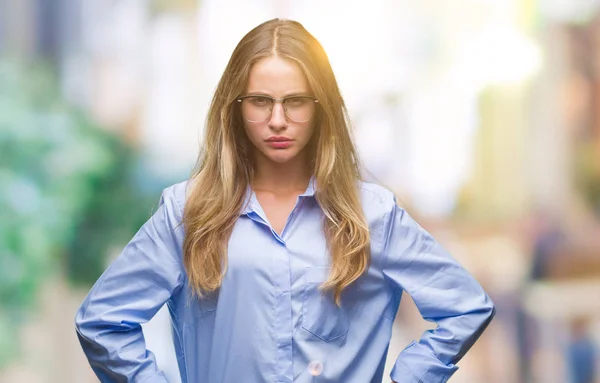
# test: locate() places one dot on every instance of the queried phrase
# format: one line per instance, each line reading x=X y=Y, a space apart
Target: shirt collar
x=251 y=203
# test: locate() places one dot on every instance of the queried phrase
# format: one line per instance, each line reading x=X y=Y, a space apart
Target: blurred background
x=483 y=116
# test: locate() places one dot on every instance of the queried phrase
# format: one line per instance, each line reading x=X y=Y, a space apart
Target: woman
x=276 y=262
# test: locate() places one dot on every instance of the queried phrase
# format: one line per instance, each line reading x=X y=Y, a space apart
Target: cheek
x=252 y=132
x=308 y=131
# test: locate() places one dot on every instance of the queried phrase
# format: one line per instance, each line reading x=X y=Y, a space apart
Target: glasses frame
x=282 y=100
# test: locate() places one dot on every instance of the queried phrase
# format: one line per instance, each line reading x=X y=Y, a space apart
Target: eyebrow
x=292 y=94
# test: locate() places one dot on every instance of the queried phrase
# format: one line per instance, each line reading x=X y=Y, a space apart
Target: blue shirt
x=269 y=322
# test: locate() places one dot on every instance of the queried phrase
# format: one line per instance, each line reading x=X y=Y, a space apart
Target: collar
x=251 y=203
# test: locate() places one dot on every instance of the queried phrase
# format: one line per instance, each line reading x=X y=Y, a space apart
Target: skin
x=280 y=174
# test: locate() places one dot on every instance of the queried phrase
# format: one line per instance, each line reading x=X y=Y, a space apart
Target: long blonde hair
x=225 y=166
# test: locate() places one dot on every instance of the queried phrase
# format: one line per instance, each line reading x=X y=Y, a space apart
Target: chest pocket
x=199 y=307
x=320 y=315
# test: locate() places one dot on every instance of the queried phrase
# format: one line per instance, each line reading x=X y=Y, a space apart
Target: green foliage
x=67 y=193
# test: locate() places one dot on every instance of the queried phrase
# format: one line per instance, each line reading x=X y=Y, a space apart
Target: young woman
x=277 y=263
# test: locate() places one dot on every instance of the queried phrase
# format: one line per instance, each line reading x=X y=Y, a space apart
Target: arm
x=443 y=291
x=130 y=292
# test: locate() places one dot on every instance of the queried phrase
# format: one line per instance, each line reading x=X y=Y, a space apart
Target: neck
x=291 y=177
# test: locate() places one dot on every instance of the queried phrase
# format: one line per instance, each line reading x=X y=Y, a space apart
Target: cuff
x=416 y=364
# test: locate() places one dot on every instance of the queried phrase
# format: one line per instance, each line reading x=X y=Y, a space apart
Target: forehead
x=276 y=77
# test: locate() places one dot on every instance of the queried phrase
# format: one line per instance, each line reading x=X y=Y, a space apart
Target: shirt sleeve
x=130 y=292
x=443 y=291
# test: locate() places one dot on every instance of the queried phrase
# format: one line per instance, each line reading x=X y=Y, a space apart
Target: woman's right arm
x=130 y=292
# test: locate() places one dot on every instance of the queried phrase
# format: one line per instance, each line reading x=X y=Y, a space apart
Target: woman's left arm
x=444 y=292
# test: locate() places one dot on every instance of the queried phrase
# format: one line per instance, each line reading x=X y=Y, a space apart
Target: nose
x=278 y=120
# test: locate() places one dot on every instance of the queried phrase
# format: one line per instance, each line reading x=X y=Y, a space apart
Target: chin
x=280 y=159
x=280 y=156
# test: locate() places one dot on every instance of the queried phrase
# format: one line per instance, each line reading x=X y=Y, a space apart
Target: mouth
x=279 y=142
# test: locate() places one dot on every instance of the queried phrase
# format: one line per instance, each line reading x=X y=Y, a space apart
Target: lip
x=278 y=139
x=279 y=142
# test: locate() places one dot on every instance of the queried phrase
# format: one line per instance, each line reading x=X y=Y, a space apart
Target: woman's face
x=278 y=137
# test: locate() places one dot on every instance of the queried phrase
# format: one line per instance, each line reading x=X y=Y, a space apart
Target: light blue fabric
x=269 y=322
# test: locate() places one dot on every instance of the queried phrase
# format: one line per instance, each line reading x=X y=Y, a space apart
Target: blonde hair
x=225 y=166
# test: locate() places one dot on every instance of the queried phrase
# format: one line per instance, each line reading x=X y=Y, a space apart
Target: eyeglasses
x=258 y=108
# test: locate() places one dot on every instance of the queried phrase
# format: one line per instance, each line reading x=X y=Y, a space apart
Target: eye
x=296 y=102
x=259 y=101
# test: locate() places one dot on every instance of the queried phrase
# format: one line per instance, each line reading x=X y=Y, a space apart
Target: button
x=315 y=368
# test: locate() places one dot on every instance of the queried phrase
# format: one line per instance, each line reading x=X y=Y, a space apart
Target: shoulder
x=176 y=195
x=376 y=191
x=376 y=200
x=177 y=191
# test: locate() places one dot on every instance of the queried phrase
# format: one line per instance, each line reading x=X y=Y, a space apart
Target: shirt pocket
x=320 y=315
x=200 y=307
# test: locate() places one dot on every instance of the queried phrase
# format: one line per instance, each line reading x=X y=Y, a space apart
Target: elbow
x=87 y=331
x=481 y=317
x=81 y=324
x=491 y=309
x=487 y=313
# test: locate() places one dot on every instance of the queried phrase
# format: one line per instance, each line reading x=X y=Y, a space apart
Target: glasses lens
x=299 y=109
x=257 y=108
